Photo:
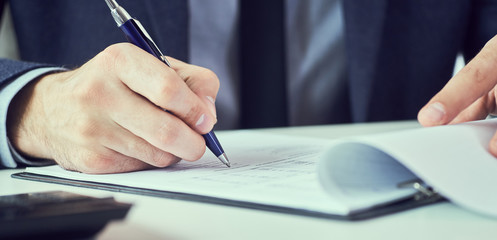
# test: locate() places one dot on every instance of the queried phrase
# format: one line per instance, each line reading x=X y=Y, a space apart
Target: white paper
x=355 y=174
x=453 y=159
x=265 y=168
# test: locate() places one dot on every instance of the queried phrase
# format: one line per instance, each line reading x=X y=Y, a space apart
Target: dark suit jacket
x=400 y=53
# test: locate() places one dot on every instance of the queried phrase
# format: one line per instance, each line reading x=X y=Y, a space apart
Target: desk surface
x=158 y=218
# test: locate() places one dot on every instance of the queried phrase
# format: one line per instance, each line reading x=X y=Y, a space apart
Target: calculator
x=56 y=215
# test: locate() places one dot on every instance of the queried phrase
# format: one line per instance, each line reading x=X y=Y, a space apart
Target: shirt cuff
x=9 y=157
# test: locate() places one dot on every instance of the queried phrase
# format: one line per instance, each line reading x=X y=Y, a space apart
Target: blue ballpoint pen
x=137 y=35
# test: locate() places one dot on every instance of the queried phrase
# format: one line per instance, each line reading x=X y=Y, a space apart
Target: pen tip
x=224 y=159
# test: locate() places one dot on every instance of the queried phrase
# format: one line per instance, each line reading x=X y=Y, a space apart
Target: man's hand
x=469 y=95
x=107 y=116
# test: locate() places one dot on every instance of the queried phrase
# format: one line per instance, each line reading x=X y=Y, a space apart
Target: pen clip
x=148 y=38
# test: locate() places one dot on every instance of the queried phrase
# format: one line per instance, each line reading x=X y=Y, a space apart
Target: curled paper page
x=363 y=176
x=453 y=159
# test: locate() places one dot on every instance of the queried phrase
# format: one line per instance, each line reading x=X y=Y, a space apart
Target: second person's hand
x=469 y=95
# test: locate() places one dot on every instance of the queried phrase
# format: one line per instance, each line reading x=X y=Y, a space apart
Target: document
x=266 y=169
x=336 y=178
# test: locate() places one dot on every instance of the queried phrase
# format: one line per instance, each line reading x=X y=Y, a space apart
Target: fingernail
x=212 y=106
x=434 y=113
x=203 y=124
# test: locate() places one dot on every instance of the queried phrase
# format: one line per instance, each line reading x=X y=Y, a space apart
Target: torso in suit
x=399 y=53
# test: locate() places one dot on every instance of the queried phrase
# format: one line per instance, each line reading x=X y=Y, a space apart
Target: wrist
x=26 y=126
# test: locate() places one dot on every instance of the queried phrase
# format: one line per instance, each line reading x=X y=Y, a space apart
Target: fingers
x=106 y=161
x=202 y=81
x=161 y=85
x=131 y=146
x=475 y=80
x=477 y=110
x=164 y=133
x=111 y=162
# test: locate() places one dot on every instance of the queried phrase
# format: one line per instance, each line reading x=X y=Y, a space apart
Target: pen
x=137 y=35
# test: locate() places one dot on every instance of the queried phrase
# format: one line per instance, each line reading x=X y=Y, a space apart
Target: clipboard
x=424 y=195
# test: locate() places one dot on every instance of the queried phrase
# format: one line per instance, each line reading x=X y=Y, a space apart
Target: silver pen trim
x=224 y=159
x=119 y=14
x=112 y=4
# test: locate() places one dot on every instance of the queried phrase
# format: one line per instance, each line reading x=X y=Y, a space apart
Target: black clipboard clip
x=423 y=191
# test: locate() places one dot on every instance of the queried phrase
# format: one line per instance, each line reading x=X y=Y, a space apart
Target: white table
x=159 y=218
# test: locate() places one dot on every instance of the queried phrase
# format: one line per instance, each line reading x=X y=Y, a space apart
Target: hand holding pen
x=106 y=116
x=136 y=34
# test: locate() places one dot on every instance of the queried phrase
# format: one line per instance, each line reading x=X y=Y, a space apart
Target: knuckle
x=168 y=134
x=113 y=56
x=91 y=91
x=115 y=50
x=210 y=76
x=167 y=91
x=96 y=93
x=474 y=73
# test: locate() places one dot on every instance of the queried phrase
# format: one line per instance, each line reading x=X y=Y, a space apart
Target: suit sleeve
x=14 y=75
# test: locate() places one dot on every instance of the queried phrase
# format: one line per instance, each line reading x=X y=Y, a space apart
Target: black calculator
x=56 y=215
